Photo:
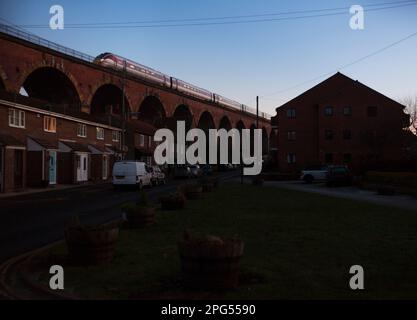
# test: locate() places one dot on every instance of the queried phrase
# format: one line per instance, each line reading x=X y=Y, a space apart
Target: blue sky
x=241 y=61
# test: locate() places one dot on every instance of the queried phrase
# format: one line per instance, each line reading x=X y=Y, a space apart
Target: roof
x=6 y=140
x=141 y=127
x=45 y=143
x=75 y=146
x=108 y=120
x=333 y=85
x=101 y=149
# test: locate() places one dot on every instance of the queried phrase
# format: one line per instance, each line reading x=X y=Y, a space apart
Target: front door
x=105 y=167
x=82 y=167
x=52 y=167
x=18 y=169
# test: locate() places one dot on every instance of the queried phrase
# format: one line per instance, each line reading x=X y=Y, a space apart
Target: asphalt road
x=34 y=220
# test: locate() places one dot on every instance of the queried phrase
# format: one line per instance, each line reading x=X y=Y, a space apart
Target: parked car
x=338 y=176
x=131 y=173
x=195 y=170
x=314 y=173
x=182 y=171
x=158 y=177
x=206 y=169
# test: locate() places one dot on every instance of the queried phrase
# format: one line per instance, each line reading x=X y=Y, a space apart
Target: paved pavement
x=29 y=221
x=353 y=193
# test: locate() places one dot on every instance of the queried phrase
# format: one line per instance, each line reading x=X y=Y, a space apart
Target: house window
x=100 y=133
x=347 y=158
x=328 y=157
x=372 y=111
x=115 y=136
x=16 y=118
x=347 y=134
x=328 y=111
x=141 y=140
x=347 y=111
x=150 y=141
x=291 y=159
x=82 y=130
x=328 y=134
x=291 y=113
x=49 y=124
x=291 y=135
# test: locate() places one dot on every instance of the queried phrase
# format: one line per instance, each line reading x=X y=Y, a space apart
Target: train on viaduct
x=88 y=89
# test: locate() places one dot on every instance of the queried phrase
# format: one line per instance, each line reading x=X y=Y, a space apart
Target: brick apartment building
x=42 y=145
x=340 y=121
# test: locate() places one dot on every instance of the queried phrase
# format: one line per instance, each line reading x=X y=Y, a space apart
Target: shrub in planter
x=174 y=201
x=91 y=245
x=140 y=214
x=192 y=191
x=210 y=262
x=397 y=179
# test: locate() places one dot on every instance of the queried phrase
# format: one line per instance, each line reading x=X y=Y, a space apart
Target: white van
x=131 y=173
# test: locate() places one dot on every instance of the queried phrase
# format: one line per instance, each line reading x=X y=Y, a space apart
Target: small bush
x=395 y=179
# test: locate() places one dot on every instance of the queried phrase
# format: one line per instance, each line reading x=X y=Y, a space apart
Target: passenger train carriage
x=114 y=61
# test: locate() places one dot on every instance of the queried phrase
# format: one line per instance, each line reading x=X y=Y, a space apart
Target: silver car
x=195 y=171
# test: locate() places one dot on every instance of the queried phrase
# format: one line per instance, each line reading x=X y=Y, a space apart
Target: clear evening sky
x=241 y=60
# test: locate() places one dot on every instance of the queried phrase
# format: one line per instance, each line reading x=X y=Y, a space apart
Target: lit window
x=328 y=111
x=291 y=135
x=115 y=136
x=16 y=118
x=347 y=111
x=49 y=124
x=291 y=113
x=141 y=140
x=100 y=133
x=82 y=130
x=291 y=159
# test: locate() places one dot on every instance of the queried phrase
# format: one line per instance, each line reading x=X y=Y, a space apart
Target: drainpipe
x=123 y=111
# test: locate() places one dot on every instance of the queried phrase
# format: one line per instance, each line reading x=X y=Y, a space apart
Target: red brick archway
x=151 y=110
x=109 y=96
x=4 y=81
x=58 y=67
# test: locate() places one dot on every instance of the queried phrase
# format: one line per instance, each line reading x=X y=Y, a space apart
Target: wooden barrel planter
x=174 y=201
x=90 y=246
x=208 y=264
x=192 y=192
x=140 y=217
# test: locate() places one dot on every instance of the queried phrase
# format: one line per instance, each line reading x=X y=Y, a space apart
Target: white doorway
x=52 y=167
x=105 y=167
x=82 y=167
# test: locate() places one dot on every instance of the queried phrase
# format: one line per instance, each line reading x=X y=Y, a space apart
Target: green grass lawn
x=297 y=245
